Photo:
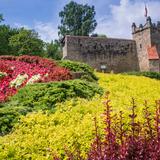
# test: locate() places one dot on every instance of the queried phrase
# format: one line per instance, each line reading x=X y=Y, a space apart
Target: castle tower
x=147 y=39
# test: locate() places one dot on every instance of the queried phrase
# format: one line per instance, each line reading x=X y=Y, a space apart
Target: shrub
x=38 y=135
x=79 y=67
x=71 y=127
x=154 y=75
x=43 y=96
x=9 y=116
x=140 y=141
x=123 y=87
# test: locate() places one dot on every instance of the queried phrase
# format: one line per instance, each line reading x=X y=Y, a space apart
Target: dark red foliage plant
x=126 y=141
x=140 y=142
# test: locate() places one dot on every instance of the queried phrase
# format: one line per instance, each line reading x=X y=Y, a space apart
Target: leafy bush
x=9 y=116
x=154 y=75
x=141 y=141
x=43 y=96
x=38 y=135
x=79 y=67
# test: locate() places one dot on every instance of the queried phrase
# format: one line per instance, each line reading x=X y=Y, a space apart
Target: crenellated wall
x=147 y=36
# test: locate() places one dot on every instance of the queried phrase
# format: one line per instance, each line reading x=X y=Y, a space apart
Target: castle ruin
x=118 y=55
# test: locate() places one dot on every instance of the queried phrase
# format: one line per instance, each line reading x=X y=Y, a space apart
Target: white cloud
x=19 y=25
x=118 y=24
x=47 y=31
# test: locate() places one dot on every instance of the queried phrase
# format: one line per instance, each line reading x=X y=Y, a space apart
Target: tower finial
x=146 y=11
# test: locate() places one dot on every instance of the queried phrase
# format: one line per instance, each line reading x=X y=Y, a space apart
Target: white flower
x=46 y=75
x=34 y=79
x=18 y=81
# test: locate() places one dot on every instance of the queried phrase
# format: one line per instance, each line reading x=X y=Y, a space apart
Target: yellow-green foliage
x=40 y=134
x=123 y=88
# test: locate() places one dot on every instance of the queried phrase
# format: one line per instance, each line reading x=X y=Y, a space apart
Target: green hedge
x=154 y=75
x=43 y=96
x=79 y=67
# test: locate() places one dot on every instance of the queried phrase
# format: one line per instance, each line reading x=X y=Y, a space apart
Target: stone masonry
x=118 y=55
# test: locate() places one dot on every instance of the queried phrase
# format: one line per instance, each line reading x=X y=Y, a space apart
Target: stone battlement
x=148 y=25
x=98 y=38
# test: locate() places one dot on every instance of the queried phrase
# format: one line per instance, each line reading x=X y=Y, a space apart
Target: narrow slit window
x=140 y=45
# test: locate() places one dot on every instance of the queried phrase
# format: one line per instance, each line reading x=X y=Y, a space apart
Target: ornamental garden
x=46 y=114
x=56 y=109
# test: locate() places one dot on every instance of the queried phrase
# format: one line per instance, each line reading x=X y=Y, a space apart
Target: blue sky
x=114 y=17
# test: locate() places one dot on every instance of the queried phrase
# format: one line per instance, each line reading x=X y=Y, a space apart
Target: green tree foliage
x=15 y=41
x=77 y=19
x=27 y=42
x=1 y=18
x=99 y=35
x=6 y=32
x=53 y=50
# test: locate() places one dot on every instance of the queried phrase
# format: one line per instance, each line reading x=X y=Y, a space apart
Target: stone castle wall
x=143 y=41
x=155 y=37
x=154 y=65
x=118 y=55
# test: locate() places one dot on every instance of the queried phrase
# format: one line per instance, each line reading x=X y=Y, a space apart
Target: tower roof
x=153 y=53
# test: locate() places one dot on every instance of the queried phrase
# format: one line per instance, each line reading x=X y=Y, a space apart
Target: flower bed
x=40 y=135
x=19 y=71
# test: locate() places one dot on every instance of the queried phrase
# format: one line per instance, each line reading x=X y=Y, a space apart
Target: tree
x=99 y=35
x=6 y=32
x=1 y=18
x=53 y=50
x=77 y=19
x=27 y=42
x=15 y=41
